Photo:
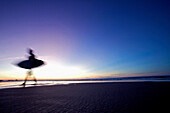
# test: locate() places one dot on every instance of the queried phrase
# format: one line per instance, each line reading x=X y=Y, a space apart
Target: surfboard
x=29 y=64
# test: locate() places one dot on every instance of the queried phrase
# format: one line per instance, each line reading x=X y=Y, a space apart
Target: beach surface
x=120 y=97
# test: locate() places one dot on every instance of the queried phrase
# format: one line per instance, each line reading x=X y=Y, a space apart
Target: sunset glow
x=57 y=70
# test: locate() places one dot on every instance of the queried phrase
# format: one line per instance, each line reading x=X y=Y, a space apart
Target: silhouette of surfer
x=32 y=62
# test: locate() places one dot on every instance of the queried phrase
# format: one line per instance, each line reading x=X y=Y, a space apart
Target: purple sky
x=106 y=38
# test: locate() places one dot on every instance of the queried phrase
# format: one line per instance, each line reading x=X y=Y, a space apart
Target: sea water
x=18 y=84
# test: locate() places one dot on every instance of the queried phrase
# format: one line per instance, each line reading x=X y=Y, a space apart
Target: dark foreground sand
x=141 y=97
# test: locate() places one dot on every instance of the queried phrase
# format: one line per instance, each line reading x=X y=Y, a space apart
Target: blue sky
x=105 y=37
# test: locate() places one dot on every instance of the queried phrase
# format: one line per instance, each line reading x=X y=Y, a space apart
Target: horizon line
x=102 y=78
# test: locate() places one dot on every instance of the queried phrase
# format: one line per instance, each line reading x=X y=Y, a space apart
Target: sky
x=85 y=38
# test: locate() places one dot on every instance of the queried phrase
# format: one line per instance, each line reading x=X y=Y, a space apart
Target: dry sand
x=141 y=97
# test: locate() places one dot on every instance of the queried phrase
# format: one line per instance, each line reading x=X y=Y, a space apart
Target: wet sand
x=132 y=97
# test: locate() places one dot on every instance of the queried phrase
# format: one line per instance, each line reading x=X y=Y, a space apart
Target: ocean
x=18 y=84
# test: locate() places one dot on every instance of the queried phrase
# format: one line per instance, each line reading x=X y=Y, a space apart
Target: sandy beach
x=132 y=97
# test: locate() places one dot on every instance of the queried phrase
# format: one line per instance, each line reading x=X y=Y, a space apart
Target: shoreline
x=16 y=86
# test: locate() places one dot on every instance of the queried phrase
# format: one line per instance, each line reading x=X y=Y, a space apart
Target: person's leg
x=35 y=80
x=29 y=73
x=25 y=79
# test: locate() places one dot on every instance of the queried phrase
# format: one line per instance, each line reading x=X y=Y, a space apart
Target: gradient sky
x=86 y=38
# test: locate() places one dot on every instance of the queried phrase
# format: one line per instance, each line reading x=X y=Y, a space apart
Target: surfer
x=29 y=73
x=32 y=62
